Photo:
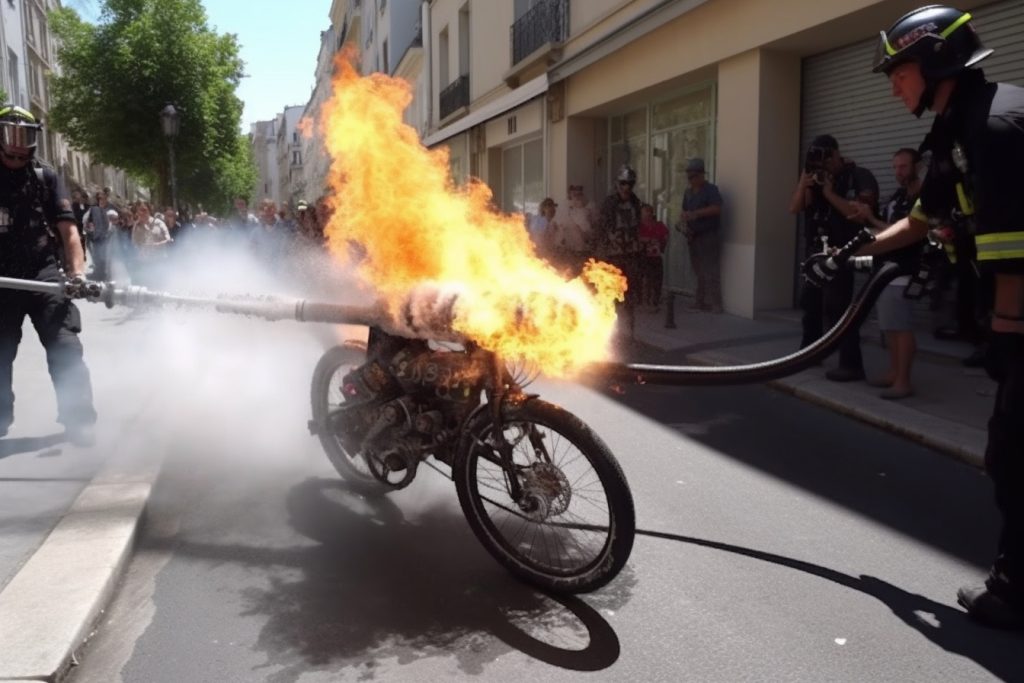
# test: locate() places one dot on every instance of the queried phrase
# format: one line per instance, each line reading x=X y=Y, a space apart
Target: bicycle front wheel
x=572 y=528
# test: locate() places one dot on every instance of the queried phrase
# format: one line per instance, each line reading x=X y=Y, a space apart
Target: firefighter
x=974 y=182
x=37 y=231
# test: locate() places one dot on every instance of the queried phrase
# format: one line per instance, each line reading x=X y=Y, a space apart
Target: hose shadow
x=377 y=591
x=876 y=475
x=951 y=628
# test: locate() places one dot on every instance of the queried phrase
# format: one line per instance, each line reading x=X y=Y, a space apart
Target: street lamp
x=170 y=123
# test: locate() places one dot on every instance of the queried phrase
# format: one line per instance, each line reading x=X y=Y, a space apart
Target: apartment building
x=532 y=95
x=291 y=179
x=387 y=36
x=316 y=161
x=263 y=141
x=27 y=56
x=12 y=52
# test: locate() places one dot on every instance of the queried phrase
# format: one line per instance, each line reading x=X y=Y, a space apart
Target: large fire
x=396 y=200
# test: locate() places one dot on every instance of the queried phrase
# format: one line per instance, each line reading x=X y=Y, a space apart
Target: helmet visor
x=18 y=134
x=883 y=54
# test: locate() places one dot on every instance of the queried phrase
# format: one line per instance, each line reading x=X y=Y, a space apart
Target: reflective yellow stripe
x=1000 y=237
x=956 y=24
x=966 y=205
x=917 y=212
x=888 y=48
x=18 y=110
x=1000 y=255
x=997 y=246
x=950 y=252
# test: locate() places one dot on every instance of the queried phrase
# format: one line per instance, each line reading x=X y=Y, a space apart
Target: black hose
x=698 y=375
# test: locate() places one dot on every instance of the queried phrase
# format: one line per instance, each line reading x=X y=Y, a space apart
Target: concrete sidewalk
x=948 y=412
x=68 y=516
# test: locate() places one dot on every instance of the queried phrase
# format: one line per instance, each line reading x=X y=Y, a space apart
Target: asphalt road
x=777 y=542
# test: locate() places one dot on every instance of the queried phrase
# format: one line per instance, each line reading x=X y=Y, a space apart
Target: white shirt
x=150 y=233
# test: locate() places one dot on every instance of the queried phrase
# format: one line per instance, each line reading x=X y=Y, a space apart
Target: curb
x=49 y=607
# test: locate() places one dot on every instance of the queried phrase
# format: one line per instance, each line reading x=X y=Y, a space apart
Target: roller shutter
x=843 y=98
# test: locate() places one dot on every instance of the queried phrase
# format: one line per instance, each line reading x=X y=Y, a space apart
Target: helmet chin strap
x=927 y=97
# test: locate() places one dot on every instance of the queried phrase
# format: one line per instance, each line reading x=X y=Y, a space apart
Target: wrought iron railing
x=455 y=95
x=545 y=22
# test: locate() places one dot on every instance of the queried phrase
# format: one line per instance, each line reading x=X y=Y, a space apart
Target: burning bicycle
x=541 y=491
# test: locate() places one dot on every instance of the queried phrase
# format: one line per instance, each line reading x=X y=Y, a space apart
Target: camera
x=814 y=162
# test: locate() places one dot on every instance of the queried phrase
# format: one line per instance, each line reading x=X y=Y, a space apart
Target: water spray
x=428 y=312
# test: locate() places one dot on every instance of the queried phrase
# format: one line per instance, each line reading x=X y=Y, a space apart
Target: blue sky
x=279 y=44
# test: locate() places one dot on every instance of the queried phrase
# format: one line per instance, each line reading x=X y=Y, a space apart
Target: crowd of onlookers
x=626 y=232
x=139 y=240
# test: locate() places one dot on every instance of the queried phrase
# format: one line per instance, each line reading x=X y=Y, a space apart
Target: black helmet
x=18 y=128
x=626 y=175
x=941 y=39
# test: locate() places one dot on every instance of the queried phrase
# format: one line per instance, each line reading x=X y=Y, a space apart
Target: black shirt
x=620 y=221
x=975 y=177
x=898 y=207
x=29 y=213
x=821 y=218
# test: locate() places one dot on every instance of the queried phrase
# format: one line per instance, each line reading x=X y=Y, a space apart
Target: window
x=464 y=40
x=12 y=67
x=442 y=58
x=296 y=158
x=43 y=41
x=31 y=78
x=30 y=32
x=522 y=177
x=524 y=6
x=657 y=140
x=384 y=57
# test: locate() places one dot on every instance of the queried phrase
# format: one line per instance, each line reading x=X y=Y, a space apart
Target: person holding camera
x=826 y=194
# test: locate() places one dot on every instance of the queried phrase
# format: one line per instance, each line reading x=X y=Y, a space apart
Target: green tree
x=119 y=73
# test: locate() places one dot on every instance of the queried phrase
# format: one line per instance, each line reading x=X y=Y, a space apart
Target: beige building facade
x=533 y=95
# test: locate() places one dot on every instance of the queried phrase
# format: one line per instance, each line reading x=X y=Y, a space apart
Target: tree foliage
x=119 y=73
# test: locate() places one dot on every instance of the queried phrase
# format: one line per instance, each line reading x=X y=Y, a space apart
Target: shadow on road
x=27 y=444
x=877 y=475
x=949 y=628
x=379 y=591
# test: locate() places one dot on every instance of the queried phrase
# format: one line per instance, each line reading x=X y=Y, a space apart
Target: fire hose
x=440 y=305
x=765 y=371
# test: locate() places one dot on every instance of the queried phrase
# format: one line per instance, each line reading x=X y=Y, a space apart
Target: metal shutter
x=843 y=98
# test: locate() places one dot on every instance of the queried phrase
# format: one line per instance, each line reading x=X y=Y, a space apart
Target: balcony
x=455 y=96
x=542 y=30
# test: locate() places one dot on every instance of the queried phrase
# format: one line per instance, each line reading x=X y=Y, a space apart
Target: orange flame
x=397 y=201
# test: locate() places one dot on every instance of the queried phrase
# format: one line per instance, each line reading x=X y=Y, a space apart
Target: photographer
x=826 y=194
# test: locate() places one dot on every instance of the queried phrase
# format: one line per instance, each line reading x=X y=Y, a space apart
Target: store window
x=657 y=140
x=522 y=177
